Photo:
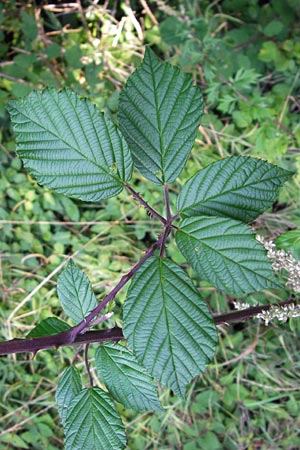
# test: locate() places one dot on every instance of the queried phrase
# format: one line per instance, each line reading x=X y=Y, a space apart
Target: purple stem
x=115 y=334
x=167 y=202
x=75 y=331
x=152 y=211
x=86 y=360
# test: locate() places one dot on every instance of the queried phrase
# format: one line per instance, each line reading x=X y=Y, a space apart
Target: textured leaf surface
x=75 y=293
x=159 y=114
x=68 y=387
x=168 y=325
x=48 y=327
x=69 y=146
x=238 y=187
x=127 y=381
x=93 y=423
x=226 y=253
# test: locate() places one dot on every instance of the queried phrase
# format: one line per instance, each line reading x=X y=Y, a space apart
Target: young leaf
x=93 y=423
x=75 y=293
x=168 y=325
x=127 y=381
x=68 y=387
x=237 y=187
x=48 y=327
x=225 y=253
x=159 y=114
x=69 y=146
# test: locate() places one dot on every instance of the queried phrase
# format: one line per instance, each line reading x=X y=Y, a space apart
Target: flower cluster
x=281 y=313
x=282 y=260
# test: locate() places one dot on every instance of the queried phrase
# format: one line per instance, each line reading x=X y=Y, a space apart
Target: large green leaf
x=75 y=293
x=68 y=387
x=127 y=381
x=168 y=325
x=225 y=253
x=159 y=114
x=238 y=187
x=93 y=423
x=69 y=146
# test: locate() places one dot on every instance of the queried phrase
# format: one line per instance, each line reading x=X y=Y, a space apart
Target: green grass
x=249 y=398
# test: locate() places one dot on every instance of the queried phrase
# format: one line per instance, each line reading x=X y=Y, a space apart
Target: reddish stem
x=115 y=334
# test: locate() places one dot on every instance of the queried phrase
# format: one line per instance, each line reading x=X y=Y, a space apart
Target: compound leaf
x=168 y=325
x=48 y=327
x=127 y=381
x=159 y=114
x=225 y=253
x=75 y=293
x=69 y=146
x=68 y=387
x=237 y=187
x=93 y=423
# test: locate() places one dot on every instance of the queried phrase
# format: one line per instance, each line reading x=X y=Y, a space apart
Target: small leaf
x=127 y=381
x=168 y=325
x=48 y=327
x=93 y=423
x=69 y=146
x=226 y=253
x=238 y=187
x=75 y=293
x=68 y=387
x=159 y=115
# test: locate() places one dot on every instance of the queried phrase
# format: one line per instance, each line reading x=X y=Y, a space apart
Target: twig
x=86 y=360
x=33 y=345
x=152 y=211
x=73 y=333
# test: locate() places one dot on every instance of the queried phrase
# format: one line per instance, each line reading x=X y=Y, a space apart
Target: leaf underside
x=168 y=325
x=127 y=381
x=237 y=187
x=159 y=114
x=225 y=253
x=69 y=146
x=93 y=423
x=68 y=387
x=75 y=293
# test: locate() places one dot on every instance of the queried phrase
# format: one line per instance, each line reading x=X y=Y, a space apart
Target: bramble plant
x=170 y=333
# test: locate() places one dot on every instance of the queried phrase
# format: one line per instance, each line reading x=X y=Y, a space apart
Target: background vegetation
x=244 y=55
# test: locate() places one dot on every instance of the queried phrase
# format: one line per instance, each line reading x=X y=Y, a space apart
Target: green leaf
x=69 y=146
x=75 y=293
x=48 y=327
x=236 y=187
x=225 y=253
x=93 y=423
x=68 y=387
x=127 y=381
x=168 y=325
x=159 y=114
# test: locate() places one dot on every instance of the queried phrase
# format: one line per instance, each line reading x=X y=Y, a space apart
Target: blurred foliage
x=244 y=55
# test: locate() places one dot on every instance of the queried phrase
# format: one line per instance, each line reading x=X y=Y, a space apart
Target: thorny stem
x=167 y=202
x=80 y=334
x=33 y=345
x=86 y=360
x=74 y=335
x=75 y=331
x=151 y=211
